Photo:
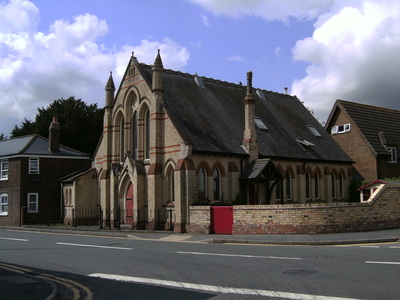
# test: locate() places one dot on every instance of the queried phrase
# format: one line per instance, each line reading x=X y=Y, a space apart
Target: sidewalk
x=381 y=236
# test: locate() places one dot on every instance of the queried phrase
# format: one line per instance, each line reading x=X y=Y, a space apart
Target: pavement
x=16 y=284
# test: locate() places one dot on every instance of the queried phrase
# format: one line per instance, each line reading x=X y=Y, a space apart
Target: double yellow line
x=73 y=286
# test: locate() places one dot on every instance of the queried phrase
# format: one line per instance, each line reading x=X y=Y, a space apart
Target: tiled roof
x=211 y=119
x=33 y=145
x=371 y=120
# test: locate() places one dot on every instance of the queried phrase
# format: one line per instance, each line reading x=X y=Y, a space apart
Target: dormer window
x=260 y=124
x=340 y=129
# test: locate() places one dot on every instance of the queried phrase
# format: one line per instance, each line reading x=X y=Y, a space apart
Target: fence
x=163 y=219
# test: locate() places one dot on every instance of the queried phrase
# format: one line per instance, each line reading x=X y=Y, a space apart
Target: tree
x=81 y=124
x=2 y=136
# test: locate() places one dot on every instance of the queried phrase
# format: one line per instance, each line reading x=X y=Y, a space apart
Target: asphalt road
x=126 y=268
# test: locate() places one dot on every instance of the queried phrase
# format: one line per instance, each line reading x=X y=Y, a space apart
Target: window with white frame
x=34 y=166
x=3 y=205
x=33 y=203
x=393 y=154
x=4 y=169
x=341 y=129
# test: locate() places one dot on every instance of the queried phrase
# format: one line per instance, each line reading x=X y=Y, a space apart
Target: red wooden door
x=129 y=205
x=221 y=219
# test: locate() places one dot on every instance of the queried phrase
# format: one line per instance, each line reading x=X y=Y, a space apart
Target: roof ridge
x=218 y=81
x=370 y=106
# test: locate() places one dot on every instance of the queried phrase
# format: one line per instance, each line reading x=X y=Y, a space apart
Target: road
x=129 y=268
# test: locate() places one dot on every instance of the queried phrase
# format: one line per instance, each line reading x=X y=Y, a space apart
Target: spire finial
x=158 y=61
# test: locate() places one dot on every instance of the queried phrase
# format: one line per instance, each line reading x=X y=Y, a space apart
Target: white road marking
x=93 y=246
x=369 y=246
x=394 y=247
x=215 y=289
x=238 y=255
x=13 y=239
x=383 y=262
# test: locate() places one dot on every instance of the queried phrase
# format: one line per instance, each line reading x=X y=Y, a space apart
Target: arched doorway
x=129 y=205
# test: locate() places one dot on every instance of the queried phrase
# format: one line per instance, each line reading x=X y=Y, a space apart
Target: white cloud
x=353 y=55
x=37 y=68
x=267 y=9
x=204 y=19
x=235 y=58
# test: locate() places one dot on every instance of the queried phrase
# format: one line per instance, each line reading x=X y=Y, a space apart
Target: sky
x=322 y=50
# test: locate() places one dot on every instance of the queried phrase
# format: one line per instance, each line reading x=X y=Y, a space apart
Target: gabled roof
x=34 y=145
x=379 y=181
x=380 y=126
x=209 y=115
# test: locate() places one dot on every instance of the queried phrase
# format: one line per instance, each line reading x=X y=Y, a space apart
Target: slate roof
x=371 y=120
x=210 y=117
x=33 y=145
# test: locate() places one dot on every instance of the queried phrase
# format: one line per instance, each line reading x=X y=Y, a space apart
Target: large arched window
x=202 y=184
x=146 y=131
x=216 y=185
x=121 y=139
x=288 y=186
x=135 y=136
x=308 y=185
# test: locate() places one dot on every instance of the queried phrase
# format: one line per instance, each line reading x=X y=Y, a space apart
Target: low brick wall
x=381 y=213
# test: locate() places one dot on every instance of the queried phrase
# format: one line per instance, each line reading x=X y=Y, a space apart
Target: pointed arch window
x=121 y=139
x=288 y=186
x=170 y=185
x=202 y=184
x=217 y=184
x=146 y=141
x=341 y=186
x=308 y=185
x=317 y=186
x=135 y=136
x=333 y=185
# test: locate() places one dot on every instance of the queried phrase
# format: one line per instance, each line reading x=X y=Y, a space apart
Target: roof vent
x=260 y=124
x=199 y=81
x=305 y=142
x=261 y=94
x=314 y=130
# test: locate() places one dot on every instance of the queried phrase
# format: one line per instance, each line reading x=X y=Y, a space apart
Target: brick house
x=30 y=171
x=369 y=135
x=172 y=140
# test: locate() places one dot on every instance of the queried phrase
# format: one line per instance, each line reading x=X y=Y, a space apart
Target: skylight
x=314 y=130
x=260 y=124
x=305 y=142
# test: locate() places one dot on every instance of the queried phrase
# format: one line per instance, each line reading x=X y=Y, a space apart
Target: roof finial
x=158 y=62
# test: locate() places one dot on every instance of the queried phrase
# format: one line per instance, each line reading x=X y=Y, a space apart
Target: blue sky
x=321 y=50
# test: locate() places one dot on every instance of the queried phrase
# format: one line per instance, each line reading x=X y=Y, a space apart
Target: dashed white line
x=383 y=262
x=14 y=239
x=215 y=289
x=93 y=246
x=238 y=255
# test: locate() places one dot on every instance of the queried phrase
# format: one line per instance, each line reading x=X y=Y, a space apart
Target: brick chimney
x=54 y=135
x=250 y=134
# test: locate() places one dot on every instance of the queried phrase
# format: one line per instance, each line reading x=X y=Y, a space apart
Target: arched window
x=216 y=185
x=341 y=186
x=317 y=186
x=135 y=136
x=288 y=185
x=278 y=190
x=146 y=141
x=121 y=139
x=170 y=185
x=202 y=184
x=333 y=185
x=308 y=185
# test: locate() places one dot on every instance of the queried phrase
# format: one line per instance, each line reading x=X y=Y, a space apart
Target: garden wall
x=381 y=213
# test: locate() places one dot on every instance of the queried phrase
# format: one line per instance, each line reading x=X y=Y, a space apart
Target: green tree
x=81 y=124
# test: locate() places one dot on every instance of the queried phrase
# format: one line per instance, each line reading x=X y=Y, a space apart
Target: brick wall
x=382 y=213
